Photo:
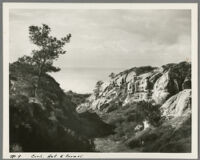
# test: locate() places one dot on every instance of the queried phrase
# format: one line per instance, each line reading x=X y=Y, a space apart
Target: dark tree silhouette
x=97 y=88
x=49 y=49
x=112 y=75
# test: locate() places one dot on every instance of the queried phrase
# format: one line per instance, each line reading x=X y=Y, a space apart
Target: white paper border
x=191 y=6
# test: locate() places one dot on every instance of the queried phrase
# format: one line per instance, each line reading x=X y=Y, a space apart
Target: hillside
x=143 y=109
x=149 y=107
x=77 y=98
x=48 y=121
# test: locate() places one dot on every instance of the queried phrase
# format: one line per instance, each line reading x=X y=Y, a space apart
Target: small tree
x=97 y=88
x=112 y=75
x=49 y=50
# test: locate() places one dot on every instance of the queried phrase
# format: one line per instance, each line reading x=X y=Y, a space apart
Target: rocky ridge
x=155 y=85
x=146 y=105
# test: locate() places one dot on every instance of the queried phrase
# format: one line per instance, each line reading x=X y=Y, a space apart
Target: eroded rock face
x=49 y=122
x=149 y=84
x=164 y=87
x=178 y=105
x=150 y=109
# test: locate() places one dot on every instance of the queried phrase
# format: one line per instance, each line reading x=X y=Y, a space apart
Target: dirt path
x=108 y=145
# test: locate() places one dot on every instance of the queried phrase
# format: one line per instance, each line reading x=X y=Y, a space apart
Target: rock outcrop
x=150 y=108
x=178 y=105
x=142 y=84
x=164 y=87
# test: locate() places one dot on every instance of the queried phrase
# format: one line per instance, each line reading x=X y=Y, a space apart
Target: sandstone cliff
x=142 y=83
x=150 y=108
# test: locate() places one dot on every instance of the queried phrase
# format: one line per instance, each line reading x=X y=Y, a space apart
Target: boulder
x=164 y=87
x=178 y=105
x=131 y=76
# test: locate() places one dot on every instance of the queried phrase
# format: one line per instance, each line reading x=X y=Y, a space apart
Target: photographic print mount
x=145 y=92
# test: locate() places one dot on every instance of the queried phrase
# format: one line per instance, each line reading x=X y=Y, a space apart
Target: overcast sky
x=106 y=39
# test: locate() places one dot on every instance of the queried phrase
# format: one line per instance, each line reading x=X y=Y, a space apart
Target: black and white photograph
x=100 y=79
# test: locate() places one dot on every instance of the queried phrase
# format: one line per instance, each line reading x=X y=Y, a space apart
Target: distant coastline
x=82 y=80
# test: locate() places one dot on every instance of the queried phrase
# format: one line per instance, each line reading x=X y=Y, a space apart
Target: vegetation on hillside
x=77 y=98
x=42 y=116
x=49 y=49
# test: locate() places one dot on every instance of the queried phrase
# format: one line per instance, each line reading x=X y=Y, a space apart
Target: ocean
x=82 y=80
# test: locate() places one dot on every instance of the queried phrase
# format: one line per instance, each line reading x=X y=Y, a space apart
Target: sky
x=105 y=40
